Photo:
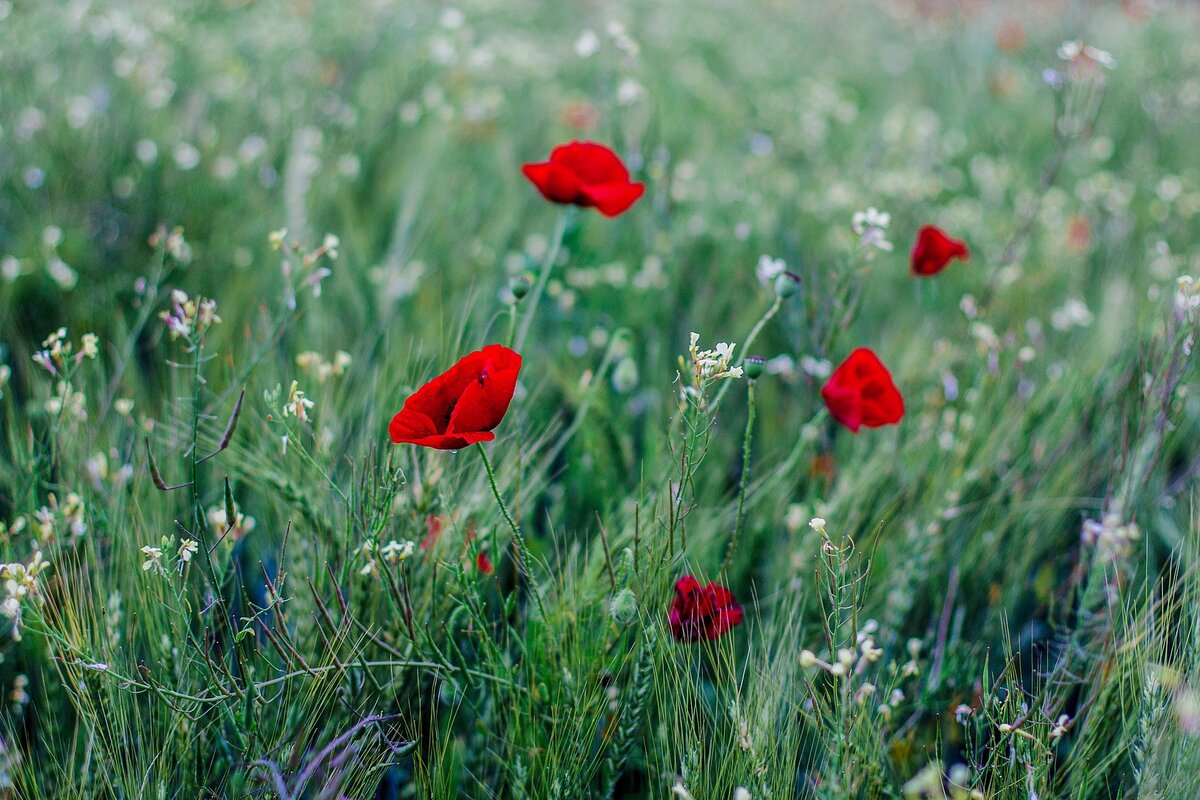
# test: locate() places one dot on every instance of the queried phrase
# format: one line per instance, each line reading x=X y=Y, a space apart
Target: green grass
x=1048 y=382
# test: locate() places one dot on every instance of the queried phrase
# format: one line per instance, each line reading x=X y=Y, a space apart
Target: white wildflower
x=769 y=269
x=187 y=549
x=871 y=228
x=297 y=404
x=153 y=560
x=394 y=552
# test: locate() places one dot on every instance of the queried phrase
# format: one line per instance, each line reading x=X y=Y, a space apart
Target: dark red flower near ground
x=860 y=392
x=934 y=250
x=701 y=612
x=585 y=174
x=484 y=564
x=462 y=405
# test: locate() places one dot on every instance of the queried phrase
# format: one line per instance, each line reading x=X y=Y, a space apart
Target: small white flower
x=330 y=245
x=89 y=346
x=153 y=559
x=297 y=404
x=769 y=269
x=871 y=227
x=187 y=549
x=588 y=44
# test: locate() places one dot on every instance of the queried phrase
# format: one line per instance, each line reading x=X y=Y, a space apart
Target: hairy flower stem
x=745 y=479
x=552 y=250
x=522 y=546
x=745 y=345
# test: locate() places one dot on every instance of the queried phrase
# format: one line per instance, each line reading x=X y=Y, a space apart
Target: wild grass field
x=237 y=238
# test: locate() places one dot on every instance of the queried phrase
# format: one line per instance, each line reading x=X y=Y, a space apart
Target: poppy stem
x=518 y=537
x=750 y=337
x=552 y=250
x=745 y=479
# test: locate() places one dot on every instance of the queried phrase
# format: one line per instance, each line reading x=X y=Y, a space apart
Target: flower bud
x=754 y=366
x=519 y=286
x=787 y=284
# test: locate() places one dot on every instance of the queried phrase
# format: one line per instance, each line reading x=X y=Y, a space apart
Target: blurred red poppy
x=860 y=392
x=701 y=612
x=462 y=405
x=934 y=249
x=484 y=564
x=585 y=174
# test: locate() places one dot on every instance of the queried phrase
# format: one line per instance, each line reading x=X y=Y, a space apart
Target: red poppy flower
x=701 y=612
x=463 y=404
x=934 y=249
x=585 y=174
x=860 y=392
x=484 y=564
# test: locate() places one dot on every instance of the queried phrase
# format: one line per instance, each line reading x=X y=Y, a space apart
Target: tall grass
x=248 y=591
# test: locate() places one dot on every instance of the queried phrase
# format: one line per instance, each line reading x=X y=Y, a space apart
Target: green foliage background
x=1048 y=381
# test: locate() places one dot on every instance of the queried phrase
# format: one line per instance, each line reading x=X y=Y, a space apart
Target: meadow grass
x=224 y=580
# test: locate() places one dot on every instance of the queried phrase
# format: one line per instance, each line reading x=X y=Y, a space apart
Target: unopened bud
x=754 y=366
x=519 y=286
x=787 y=284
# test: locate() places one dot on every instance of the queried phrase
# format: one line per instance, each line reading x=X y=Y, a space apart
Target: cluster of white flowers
x=58 y=353
x=1085 y=56
x=297 y=405
x=20 y=586
x=314 y=363
x=849 y=660
x=68 y=402
x=98 y=470
x=394 y=552
x=311 y=274
x=152 y=557
x=69 y=515
x=1112 y=537
x=715 y=364
x=189 y=316
x=871 y=228
x=171 y=241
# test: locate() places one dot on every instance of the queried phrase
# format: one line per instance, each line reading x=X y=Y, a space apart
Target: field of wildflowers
x=695 y=399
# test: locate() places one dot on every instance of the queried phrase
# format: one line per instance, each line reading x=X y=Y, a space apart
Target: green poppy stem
x=539 y=288
x=522 y=546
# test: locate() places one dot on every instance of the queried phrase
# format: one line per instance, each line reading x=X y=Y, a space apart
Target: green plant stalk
x=552 y=250
x=745 y=479
x=518 y=537
x=750 y=338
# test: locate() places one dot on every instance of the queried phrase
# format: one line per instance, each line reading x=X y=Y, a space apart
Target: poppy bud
x=787 y=284
x=754 y=366
x=519 y=286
